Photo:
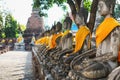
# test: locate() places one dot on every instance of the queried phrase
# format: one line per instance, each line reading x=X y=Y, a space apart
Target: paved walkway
x=16 y=65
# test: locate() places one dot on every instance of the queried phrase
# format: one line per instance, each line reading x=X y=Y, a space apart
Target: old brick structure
x=34 y=25
x=35 y=21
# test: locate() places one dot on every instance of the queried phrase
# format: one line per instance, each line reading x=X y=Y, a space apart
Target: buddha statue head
x=52 y=31
x=105 y=7
x=81 y=17
x=58 y=27
x=67 y=23
x=47 y=33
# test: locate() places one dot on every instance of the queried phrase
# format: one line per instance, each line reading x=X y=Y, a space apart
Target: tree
x=93 y=11
x=117 y=11
x=44 y=5
x=1 y=25
x=74 y=6
x=11 y=26
x=1 y=21
x=22 y=27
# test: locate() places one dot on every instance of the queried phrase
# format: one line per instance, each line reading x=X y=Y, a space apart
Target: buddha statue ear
x=111 y=9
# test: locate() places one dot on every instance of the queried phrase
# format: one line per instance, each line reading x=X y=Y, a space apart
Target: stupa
x=34 y=25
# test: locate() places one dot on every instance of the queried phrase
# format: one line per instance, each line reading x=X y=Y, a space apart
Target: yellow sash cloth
x=47 y=40
x=40 y=41
x=53 y=40
x=105 y=28
x=65 y=33
x=43 y=40
x=58 y=35
x=80 y=37
x=19 y=39
x=3 y=41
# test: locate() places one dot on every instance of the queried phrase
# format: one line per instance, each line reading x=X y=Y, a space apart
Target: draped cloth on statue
x=20 y=42
x=66 y=40
x=80 y=38
x=65 y=33
x=40 y=41
x=105 y=28
x=47 y=40
x=43 y=40
x=19 y=39
x=119 y=56
x=52 y=40
x=58 y=35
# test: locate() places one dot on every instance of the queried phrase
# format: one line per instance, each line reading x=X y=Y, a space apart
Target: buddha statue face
x=105 y=7
x=67 y=23
x=58 y=27
x=52 y=31
x=79 y=20
x=47 y=33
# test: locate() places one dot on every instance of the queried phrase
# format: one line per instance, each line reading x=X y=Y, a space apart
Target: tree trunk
x=92 y=15
x=77 y=4
x=72 y=7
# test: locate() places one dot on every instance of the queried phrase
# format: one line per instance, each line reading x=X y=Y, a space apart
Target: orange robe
x=19 y=39
x=80 y=37
x=119 y=56
x=105 y=28
x=53 y=40
x=65 y=33
x=43 y=40
x=47 y=40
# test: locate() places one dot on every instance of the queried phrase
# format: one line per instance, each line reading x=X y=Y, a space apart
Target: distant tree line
x=9 y=27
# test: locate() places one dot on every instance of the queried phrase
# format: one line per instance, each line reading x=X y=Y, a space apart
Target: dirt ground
x=16 y=65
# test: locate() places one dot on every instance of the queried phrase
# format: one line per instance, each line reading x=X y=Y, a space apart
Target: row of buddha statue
x=61 y=59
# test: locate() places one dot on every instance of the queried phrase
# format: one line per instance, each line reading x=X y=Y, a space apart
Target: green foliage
x=1 y=25
x=3 y=35
x=17 y=35
x=1 y=21
x=117 y=11
x=87 y=4
x=11 y=26
x=22 y=27
x=44 y=5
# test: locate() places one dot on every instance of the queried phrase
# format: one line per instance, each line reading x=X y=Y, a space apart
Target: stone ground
x=16 y=65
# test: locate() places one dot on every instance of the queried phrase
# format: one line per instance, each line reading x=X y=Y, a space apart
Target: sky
x=54 y=14
x=22 y=9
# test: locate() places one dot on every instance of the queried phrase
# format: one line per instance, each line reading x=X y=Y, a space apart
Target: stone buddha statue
x=20 y=42
x=107 y=43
